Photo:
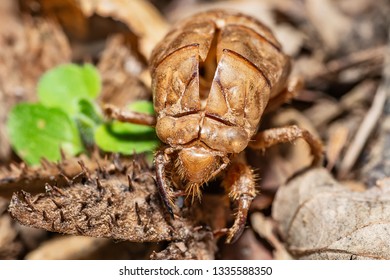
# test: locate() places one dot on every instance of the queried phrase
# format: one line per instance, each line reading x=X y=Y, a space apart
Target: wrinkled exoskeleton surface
x=213 y=76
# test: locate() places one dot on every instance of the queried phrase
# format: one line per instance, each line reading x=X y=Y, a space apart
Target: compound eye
x=224 y=138
x=178 y=131
x=237 y=140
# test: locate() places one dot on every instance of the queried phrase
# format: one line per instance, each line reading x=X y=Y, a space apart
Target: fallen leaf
x=319 y=218
x=91 y=20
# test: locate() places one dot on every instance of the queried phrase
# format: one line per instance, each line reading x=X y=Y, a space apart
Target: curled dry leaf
x=88 y=20
x=321 y=219
x=139 y=15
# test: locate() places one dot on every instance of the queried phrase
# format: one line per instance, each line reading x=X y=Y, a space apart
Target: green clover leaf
x=64 y=86
x=37 y=131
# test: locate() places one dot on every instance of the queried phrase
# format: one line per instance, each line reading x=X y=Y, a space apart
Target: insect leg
x=129 y=116
x=270 y=137
x=240 y=183
x=160 y=163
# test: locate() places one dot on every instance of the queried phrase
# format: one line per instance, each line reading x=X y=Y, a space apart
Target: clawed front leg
x=162 y=186
x=240 y=183
x=273 y=136
x=160 y=158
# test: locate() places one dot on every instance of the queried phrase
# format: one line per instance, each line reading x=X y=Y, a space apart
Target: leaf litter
x=319 y=218
x=89 y=195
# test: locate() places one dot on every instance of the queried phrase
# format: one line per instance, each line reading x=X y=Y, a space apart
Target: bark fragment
x=101 y=204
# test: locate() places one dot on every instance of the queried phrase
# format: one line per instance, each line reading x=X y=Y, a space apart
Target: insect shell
x=212 y=78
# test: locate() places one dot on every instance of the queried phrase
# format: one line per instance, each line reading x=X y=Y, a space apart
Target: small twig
x=370 y=120
x=354 y=59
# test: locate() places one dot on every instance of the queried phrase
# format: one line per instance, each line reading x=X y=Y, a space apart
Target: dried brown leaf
x=91 y=20
x=321 y=219
x=139 y=15
x=29 y=47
